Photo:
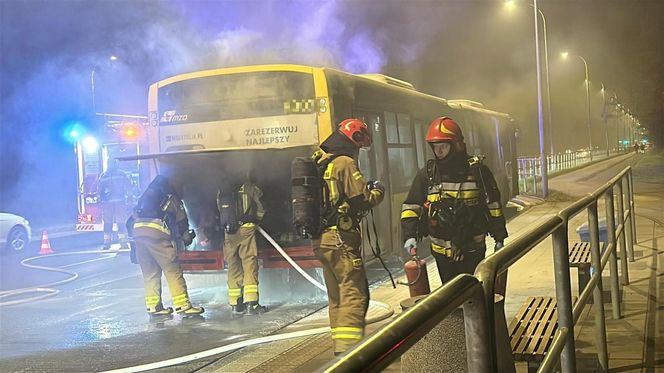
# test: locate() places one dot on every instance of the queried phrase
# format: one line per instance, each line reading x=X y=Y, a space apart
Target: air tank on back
x=306 y=197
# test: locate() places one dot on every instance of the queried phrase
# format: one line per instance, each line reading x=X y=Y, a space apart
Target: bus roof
x=377 y=79
x=474 y=106
x=236 y=70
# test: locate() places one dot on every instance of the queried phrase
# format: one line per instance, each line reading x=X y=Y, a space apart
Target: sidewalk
x=635 y=342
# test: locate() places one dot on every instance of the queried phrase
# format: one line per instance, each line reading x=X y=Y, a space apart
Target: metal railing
x=376 y=352
x=530 y=168
x=381 y=348
x=611 y=192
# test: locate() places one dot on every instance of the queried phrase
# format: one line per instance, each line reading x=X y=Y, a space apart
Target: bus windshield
x=236 y=96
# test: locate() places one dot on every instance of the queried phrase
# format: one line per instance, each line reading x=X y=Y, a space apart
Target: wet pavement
x=97 y=322
x=635 y=343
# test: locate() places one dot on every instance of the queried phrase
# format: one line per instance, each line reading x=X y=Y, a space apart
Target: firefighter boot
x=160 y=312
x=191 y=311
x=239 y=308
x=253 y=308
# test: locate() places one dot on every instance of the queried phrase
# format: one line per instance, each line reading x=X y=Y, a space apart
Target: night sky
x=475 y=50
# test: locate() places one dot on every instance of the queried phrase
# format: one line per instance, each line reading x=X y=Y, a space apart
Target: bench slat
x=516 y=329
x=537 y=328
x=547 y=338
x=522 y=331
x=580 y=255
x=539 y=341
x=532 y=328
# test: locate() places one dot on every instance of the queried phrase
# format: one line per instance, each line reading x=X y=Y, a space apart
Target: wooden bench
x=579 y=257
x=532 y=330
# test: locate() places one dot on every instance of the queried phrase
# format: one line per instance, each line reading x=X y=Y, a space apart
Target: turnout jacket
x=347 y=189
x=114 y=186
x=437 y=194
x=172 y=224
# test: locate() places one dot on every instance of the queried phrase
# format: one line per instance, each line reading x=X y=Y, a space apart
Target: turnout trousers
x=241 y=255
x=114 y=212
x=157 y=255
x=347 y=286
x=449 y=269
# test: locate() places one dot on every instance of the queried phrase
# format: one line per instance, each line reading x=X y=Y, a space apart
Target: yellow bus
x=210 y=128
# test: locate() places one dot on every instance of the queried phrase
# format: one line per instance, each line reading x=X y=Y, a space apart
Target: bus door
x=373 y=166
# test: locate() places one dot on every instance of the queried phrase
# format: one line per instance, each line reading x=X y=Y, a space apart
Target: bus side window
x=402 y=158
x=391 y=128
x=405 y=131
x=420 y=133
x=402 y=168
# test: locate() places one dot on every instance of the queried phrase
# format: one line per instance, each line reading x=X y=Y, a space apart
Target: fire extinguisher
x=418 y=278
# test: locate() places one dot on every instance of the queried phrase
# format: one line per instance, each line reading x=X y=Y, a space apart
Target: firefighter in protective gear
x=347 y=197
x=159 y=220
x=240 y=249
x=459 y=200
x=114 y=189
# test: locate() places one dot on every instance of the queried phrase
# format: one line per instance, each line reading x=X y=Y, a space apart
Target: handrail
x=377 y=351
x=488 y=270
x=477 y=293
x=496 y=264
x=550 y=364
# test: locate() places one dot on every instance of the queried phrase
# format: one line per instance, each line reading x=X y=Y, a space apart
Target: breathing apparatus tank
x=228 y=216
x=306 y=191
x=418 y=278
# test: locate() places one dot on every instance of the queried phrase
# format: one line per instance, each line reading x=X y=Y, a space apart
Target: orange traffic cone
x=45 y=245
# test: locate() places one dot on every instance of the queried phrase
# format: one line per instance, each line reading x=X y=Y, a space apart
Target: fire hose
x=47 y=288
x=272 y=338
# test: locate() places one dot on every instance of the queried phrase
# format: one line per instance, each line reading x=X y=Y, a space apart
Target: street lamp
x=92 y=83
x=92 y=86
x=590 y=137
x=510 y=4
x=604 y=116
x=540 y=119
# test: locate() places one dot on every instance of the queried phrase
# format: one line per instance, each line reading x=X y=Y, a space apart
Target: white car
x=14 y=233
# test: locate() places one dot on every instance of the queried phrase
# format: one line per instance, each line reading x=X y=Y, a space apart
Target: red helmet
x=357 y=131
x=444 y=129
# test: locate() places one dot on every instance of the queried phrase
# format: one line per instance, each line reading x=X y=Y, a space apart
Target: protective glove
x=188 y=237
x=371 y=185
x=499 y=245
x=410 y=246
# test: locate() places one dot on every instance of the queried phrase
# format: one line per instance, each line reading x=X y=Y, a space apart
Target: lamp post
x=604 y=116
x=92 y=84
x=543 y=160
x=548 y=82
x=540 y=119
x=590 y=137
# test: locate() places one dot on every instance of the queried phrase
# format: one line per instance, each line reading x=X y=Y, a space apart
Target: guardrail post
x=476 y=322
x=596 y=259
x=486 y=274
x=632 y=212
x=623 y=246
x=630 y=229
x=532 y=161
x=564 y=296
x=613 y=263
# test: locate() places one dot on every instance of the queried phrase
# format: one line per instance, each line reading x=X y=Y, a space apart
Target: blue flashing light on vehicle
x=73 y=132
